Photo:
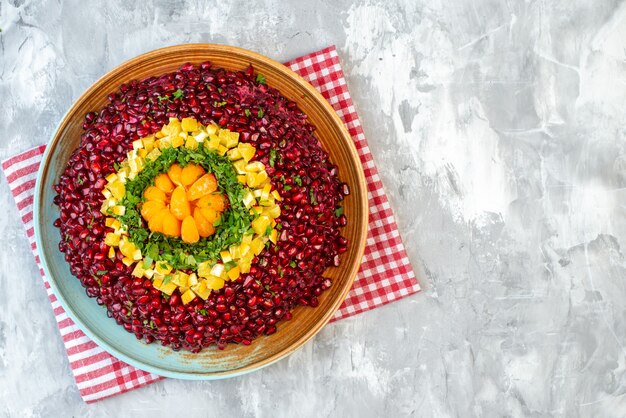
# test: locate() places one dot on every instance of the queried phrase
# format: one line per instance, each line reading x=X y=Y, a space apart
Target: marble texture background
x=498 y=128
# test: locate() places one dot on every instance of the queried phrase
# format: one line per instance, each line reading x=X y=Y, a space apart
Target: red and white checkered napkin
x=385 y=274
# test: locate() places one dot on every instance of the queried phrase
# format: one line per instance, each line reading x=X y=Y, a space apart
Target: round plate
x=211 y=363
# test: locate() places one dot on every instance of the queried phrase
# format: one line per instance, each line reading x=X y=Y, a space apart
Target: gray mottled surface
x=498 y=128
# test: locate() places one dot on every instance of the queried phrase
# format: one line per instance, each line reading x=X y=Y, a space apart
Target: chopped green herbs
x=313 y=197
x=101 y=272
x=273 y=155
x=233 y=223
x=339 y=211
x=147 y=262
x=298 y=180
x=178 y=94
x=247 y=112
x=260 y=78
x=260 y=113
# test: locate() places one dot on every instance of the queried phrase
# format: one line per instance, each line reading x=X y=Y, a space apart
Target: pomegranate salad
x=200 y=209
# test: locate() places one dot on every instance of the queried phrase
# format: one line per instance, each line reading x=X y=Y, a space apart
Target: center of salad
x=184 y=202
x=190 y=208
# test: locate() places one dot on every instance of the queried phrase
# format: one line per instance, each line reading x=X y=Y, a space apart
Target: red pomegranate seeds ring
x=385 y=274
x=185 y=295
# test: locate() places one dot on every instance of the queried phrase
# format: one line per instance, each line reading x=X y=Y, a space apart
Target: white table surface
x=498 y=129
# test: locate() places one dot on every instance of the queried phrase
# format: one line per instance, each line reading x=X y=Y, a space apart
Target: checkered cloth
x=385 y=275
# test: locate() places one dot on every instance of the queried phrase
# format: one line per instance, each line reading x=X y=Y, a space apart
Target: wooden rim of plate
x=291 y=85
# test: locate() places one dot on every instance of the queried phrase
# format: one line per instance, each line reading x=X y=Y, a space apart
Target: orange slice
x=190 y=174
x=202 y=187
x=150 y=208
x=171 y=225
x=179 y=205
x=174 y=173
x=156 y=222
x=205 y=228
x=212 y=201
x=163 y=182
x=153 y=193
x=189 y=231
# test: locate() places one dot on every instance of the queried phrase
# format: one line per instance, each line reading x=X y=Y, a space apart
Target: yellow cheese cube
x=138 y=271
x=221 y=150
x=217 y=269
x=265 y=193
x=189 y=124
x=233 y=154
x=163 y=268
x=191 y=143
x=168 y=288
x=273 y=211
x=234 y=252
x=187 y=297
x=111 y=239
x=261 y=178
x=233 y=273
x=153 y=155
x=215 y=283
x=148 y=142
x=260 y=224
x=204 y=269
x=255 y=167
x=240 y=166
x=177 y=141
x=213 y=142
x=246 y=151
x=180 y=278
x=257 y=245
x=157 y=283
x=202 y=290
x=212 y=129
x=200 y=135
x=119 y=210
x=274 y=236
x=244 y=265
x=226 y=256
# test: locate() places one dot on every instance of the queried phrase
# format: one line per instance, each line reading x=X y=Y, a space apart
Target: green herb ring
x=229 y=228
